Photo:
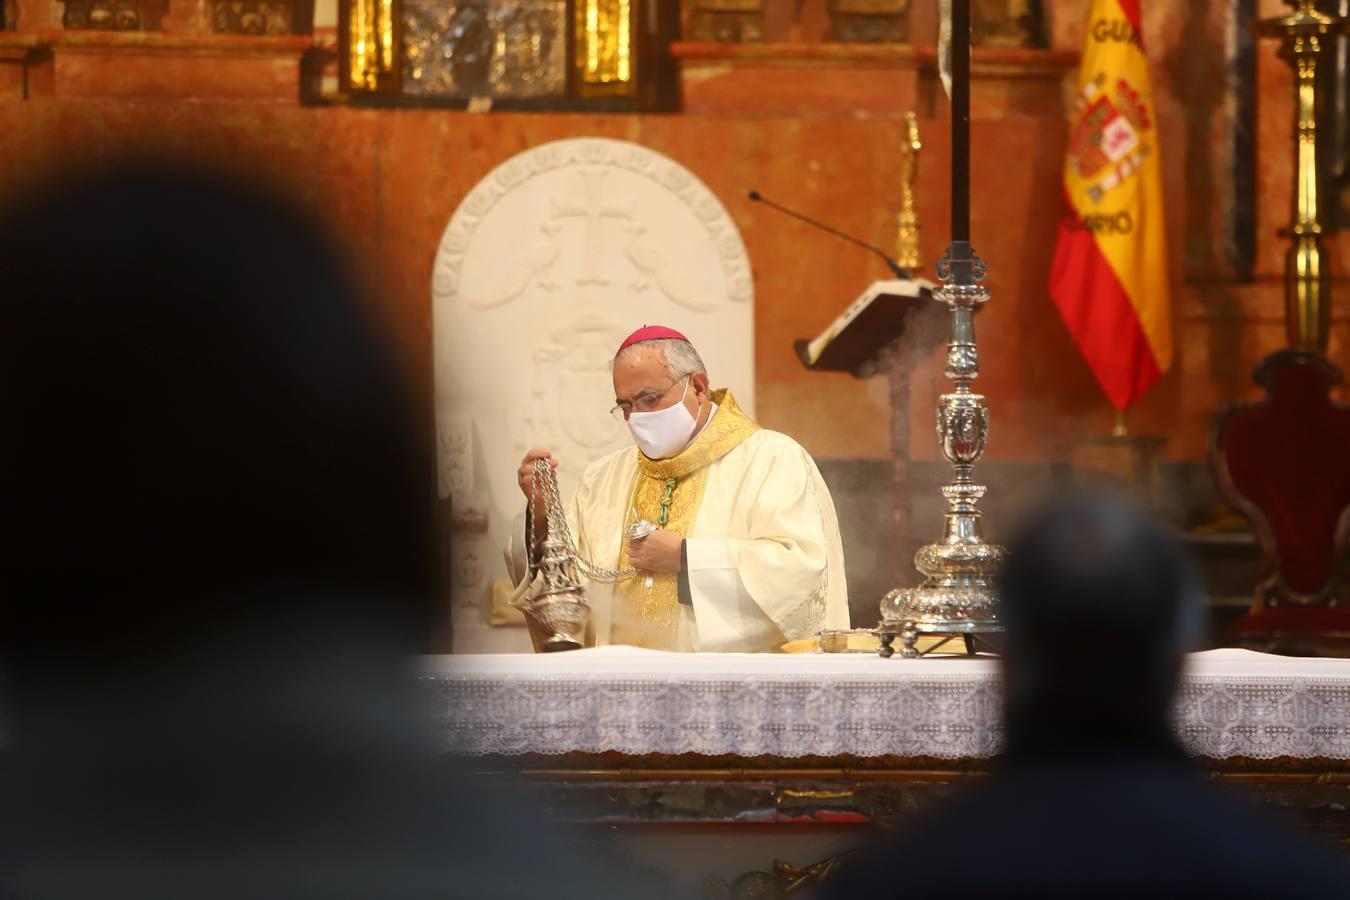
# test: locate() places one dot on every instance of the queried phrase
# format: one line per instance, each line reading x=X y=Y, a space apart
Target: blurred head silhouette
x=218 y=550
x=198 y=418
x=1094 y=797
x=1100 y=605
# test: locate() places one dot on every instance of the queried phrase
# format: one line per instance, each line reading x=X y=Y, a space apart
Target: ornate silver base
x=909 y=634
x=973 y=642
x=957 y=595
x=558 y=620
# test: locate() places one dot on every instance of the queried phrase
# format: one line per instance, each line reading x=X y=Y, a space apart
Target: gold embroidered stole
x=669 y=493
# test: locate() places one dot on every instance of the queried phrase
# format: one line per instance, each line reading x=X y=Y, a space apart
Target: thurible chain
x=546 y=485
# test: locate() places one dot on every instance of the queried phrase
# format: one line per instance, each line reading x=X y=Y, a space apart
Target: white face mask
x=662 y=434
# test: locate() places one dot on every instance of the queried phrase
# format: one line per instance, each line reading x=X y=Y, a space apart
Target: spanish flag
x=1109 y=276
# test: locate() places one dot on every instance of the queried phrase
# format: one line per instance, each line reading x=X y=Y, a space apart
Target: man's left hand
x=657 y=552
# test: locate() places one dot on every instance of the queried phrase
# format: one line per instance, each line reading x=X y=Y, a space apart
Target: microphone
x=891 y=264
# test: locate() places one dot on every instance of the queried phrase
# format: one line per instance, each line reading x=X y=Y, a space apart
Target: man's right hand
x=525 y=476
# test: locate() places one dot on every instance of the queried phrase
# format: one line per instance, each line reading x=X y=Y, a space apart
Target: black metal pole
x=960 y=120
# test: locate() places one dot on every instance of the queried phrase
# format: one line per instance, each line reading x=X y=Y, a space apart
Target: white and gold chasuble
x=766 y=565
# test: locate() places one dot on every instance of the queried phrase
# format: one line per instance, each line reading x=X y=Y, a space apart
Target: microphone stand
x=896 y=269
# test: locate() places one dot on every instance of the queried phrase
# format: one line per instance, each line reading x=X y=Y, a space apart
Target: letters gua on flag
x=1109 y=276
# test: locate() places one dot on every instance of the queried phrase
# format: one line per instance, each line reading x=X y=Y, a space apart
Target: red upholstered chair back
x=1285 y=462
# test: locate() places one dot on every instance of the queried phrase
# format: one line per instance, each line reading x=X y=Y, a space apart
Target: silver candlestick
x=956 y=598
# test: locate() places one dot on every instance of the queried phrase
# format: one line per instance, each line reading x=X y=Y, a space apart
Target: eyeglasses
x=647 y=401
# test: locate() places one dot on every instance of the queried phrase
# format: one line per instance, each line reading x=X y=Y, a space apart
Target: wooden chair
x=1284 y=461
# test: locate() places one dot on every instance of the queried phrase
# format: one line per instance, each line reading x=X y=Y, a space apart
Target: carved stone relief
x=454 y=439
x=107 y=15
x=256 y=17
x=549 y=261
x=726 y=21
x=869 y=21
x=469 y=509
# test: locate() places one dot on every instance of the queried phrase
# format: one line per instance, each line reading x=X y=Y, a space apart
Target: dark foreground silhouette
x=218 y=559
x=1093 y=797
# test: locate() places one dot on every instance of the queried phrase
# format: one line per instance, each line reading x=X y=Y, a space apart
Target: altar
x=752 y=775
x=757 y=758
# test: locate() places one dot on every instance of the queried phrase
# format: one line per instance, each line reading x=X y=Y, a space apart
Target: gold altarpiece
x=537 y=54
x=602 y=54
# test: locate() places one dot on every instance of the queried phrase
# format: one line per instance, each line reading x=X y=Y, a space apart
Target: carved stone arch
x=546 y=264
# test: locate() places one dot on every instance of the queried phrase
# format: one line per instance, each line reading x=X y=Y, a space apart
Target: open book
x=868 y=324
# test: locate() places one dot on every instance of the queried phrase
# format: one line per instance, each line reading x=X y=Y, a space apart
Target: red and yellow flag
x=1109 y=277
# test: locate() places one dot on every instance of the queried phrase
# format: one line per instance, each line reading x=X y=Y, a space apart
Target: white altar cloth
x=1232 y=703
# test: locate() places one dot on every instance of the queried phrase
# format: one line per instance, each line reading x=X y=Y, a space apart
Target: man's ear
x=699 y=382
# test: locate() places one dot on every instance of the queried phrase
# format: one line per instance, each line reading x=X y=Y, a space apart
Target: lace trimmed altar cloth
x=1233 y=703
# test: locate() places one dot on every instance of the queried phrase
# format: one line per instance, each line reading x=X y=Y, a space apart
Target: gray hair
x=680 y=356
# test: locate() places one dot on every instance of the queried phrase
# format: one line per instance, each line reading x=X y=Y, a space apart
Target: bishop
x=746 y=555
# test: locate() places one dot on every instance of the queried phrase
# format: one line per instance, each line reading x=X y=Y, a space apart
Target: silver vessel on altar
x=557 y=612
x=550 y=594
x=956 y=597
